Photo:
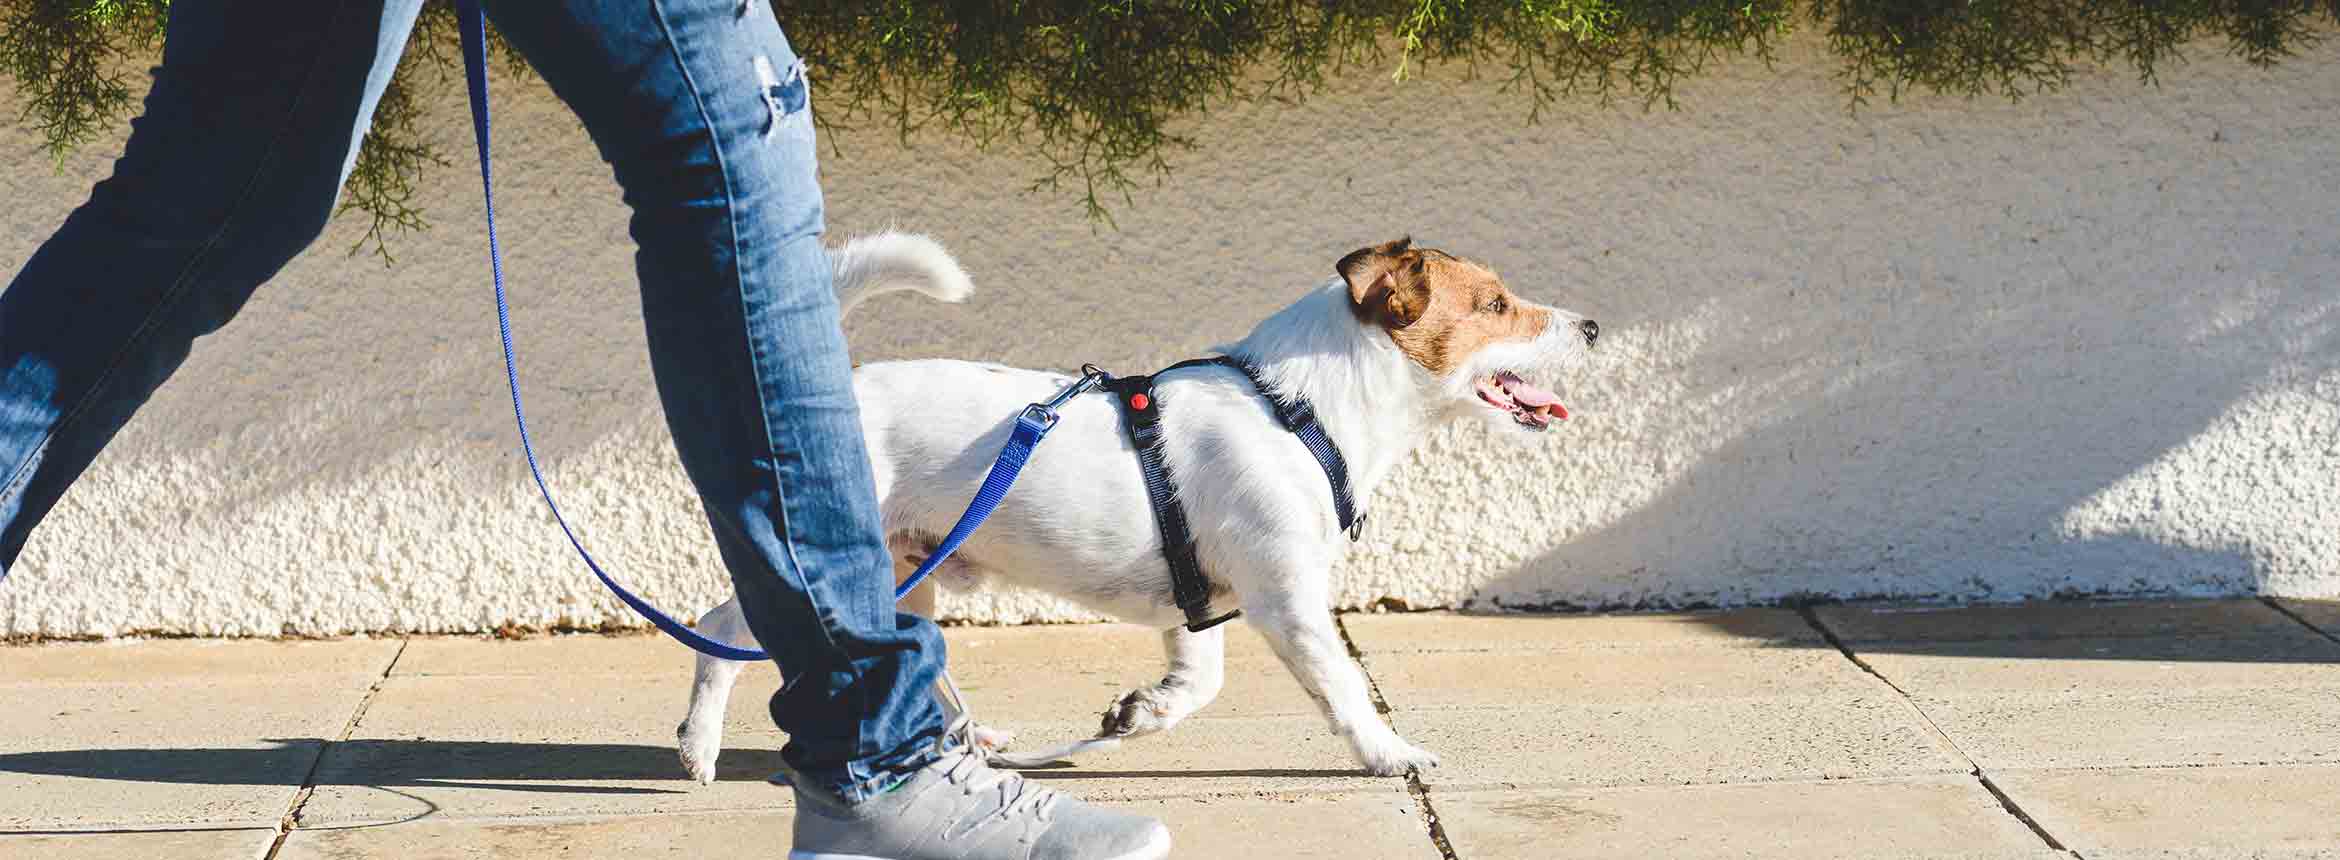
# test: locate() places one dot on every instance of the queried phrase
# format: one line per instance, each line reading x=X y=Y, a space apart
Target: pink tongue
x=1525 y=394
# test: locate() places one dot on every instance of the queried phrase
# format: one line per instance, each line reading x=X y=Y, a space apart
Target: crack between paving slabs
x=1975 y=770
x=1414 y=786
x=292 y=814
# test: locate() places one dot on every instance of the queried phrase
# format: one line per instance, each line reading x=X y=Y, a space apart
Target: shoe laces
x=966 y=766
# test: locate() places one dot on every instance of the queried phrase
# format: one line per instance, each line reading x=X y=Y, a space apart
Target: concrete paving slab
x=1384 y=825
x=651 y=654
x=1677 y=742
x=2296 y=659
x=1452 y=679
x=491 y=767
x=648 y=654
x=1448 y=631
x=1077 y=689
x=539 y=708
x=490 y=745
x=1330 y=827
x=571 y=732
x=1210 y=757
x=1855 y=623
x=1906 y=819
x=1044 y=645
x=382 y=781
x=1077 y=695
x=217 y=784
x=1072 y=671
x=2217 y=811
x=230 y=752
x=2168 y=728
x=393 y=779
x=646 y=709
x=2219 y=854
x=474 y=734
x=61 y=716
x=695 y=836
x=141 y=661
x=177 y=844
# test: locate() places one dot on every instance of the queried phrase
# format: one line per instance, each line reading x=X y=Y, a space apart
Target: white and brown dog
x=1404 y=340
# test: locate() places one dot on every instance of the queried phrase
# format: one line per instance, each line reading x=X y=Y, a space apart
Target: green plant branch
x=1089 y=89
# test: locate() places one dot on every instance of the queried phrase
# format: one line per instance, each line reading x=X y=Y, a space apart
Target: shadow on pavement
x=548 y=767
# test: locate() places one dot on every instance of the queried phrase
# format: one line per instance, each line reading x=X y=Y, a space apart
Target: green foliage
x=2014 y=48
x=1091 y=89
x=394 y=153
x=66 y=58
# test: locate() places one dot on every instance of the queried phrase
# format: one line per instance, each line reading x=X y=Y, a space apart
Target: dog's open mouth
x=1532 y=407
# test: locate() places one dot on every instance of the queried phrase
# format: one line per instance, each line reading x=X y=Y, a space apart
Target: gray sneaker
x=960 y=808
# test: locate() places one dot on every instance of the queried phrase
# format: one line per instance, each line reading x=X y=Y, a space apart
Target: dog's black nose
x=1592 y=331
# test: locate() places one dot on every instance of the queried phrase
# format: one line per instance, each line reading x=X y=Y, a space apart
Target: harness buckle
x=1357 y=527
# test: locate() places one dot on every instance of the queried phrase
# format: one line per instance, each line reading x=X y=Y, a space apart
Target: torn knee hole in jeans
x=783 y=94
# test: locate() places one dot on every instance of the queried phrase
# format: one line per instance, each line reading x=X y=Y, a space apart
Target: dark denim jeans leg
x=232 y=169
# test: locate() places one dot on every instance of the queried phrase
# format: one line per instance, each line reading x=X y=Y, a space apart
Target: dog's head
x=1489 y=351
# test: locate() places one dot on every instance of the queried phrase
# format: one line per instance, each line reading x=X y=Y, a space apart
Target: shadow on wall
x=2089 y=345
x=1985 y=441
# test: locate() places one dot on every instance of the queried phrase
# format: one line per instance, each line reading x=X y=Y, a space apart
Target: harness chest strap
x=1141 y=413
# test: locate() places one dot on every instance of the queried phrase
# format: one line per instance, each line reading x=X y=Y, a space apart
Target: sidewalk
x=2104 y=731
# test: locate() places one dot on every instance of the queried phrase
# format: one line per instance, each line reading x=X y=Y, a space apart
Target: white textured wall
x=2086 y=343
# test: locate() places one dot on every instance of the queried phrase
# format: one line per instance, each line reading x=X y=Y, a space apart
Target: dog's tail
x=891 y=262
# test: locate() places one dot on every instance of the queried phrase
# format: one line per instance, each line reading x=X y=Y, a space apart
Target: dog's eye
x=1497 y=306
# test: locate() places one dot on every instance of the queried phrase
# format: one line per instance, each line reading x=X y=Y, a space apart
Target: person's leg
x=232 y=169
x=701 y=110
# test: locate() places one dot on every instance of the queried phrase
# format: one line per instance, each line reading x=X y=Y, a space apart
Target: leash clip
x=1043 y=415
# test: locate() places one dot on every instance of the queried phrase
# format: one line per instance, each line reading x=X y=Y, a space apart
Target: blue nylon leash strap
x=1031 y=425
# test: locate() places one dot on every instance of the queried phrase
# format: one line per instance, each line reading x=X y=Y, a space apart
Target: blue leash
x=1031 y=425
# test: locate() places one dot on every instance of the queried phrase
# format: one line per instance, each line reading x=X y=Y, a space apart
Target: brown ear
x=1386 y=283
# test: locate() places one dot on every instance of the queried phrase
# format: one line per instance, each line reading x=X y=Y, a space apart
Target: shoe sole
x=1154 y=849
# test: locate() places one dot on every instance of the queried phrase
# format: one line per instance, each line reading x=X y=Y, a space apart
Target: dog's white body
x=1079 y=524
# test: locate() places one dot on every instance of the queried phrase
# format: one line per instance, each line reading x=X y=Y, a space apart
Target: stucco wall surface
x=2084 y=343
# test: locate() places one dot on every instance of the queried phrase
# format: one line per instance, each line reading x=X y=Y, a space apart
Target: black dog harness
x=1141 y=417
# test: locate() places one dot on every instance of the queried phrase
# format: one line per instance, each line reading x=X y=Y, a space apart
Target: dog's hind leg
x=920 y=601
x=1198 y=668
x=1292 y=612
x=700 y=737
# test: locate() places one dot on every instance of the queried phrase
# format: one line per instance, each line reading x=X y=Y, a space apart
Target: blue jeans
x=700 y=109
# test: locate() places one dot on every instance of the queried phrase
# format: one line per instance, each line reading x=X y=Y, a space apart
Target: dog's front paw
x=698 y=751
x=1142 y=711
x=1398 y=759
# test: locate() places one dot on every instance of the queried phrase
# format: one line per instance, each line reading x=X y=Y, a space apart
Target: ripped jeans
x=702 y=110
